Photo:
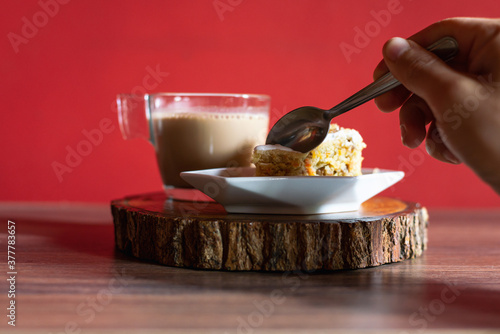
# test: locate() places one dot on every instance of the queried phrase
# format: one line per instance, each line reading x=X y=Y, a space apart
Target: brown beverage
x=187 y=141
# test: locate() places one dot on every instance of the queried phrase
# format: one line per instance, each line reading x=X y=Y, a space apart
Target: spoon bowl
x=300 y=128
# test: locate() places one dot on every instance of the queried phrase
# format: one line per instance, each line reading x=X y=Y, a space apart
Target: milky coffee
x=191 y=141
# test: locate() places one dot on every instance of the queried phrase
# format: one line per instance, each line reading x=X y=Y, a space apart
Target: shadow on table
x=413 y=294
x=94 y=239
x=402 y=292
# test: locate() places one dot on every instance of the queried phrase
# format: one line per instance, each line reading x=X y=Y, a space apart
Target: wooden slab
x=202 y=235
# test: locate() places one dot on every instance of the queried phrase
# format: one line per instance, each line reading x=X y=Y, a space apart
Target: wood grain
x=71 y=280
x=174 y=233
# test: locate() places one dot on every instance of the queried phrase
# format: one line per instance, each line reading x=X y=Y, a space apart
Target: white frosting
x=273 y=147
x=347 y=136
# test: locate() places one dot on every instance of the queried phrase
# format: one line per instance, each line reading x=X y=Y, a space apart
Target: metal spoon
x=305 y=128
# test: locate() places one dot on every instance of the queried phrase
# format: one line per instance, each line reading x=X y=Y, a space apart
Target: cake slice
x=338 y=155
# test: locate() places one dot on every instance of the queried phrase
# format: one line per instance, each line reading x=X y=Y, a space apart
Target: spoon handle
x=446 y=48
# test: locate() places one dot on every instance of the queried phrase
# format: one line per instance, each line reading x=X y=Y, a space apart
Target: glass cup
x=192 y=131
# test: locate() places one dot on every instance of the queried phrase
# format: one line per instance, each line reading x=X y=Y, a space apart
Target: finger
x=380 y=70
x=470 y=33
x=393 y=99
x=486 y=58
x=436 y=147
x=423 y=73
x=473 y=36
x=414 y=115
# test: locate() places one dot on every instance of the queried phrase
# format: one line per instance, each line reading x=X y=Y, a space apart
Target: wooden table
x=70 y=279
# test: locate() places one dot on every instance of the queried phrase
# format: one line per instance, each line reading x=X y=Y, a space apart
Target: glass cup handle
x=134 y=116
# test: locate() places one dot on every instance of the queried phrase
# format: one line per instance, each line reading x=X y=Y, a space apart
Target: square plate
x=239 y=191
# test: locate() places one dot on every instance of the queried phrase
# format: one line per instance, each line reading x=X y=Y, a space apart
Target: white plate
x=239 y=191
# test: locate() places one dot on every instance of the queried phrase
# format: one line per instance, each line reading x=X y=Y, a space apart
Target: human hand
x=460 y=100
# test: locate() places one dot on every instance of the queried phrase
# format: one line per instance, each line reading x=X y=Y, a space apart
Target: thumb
x=422 y=72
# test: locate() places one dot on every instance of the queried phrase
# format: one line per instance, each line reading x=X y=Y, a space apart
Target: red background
x=64 y=77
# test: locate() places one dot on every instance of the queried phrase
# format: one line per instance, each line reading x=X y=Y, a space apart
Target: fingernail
x=395 y=47
x=402 y=127
x=451 y=157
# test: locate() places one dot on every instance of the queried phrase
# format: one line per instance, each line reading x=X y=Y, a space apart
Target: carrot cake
x=338 y=155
